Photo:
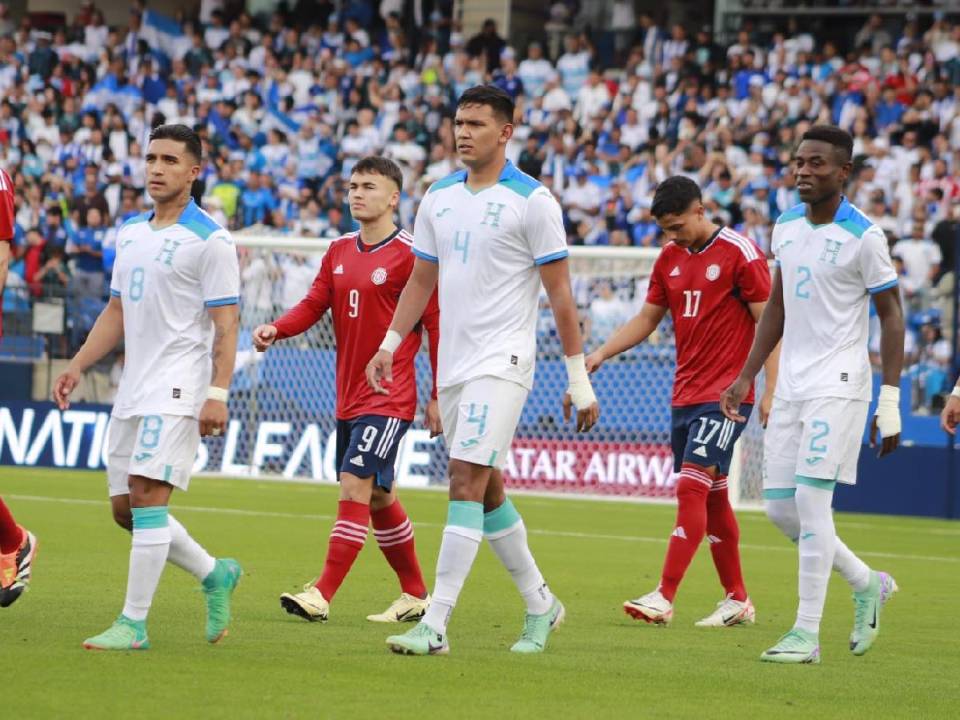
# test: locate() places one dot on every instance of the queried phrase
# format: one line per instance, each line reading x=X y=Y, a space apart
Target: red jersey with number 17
x=362 y=283
x=708 y=293
x=7 y=214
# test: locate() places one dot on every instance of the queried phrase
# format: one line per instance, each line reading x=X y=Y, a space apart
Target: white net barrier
x=282 y=401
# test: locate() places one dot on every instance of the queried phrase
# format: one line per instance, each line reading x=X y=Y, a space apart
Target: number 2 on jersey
x=353 y=297
x=803 y=277
x=691 y=304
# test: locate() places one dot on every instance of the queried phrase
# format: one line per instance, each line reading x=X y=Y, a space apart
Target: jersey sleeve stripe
x=425 y=256
x=114 y=293
x=220 y=302
x=552 y=257
x=881 y=288
x=745 y=245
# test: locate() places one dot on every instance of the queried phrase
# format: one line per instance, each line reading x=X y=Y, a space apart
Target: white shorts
x=160 y=447
x=818 y=438
x=480 y=417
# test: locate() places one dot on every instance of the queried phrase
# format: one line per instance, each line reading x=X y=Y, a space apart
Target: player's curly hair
x=674 y=195
x=840 y=139
x=181 y=133
x=499 y=100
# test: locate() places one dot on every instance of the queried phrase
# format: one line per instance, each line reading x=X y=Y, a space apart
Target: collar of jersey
x=844 y=211
x=710 y=242
x=508 y=172
x=373 y=248
x=188 y=211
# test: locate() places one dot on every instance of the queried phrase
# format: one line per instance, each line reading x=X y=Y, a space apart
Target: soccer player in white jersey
x=831 y=259
x=173 y=301
x=489 y=234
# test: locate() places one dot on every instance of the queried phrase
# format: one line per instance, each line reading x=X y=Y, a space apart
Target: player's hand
x=766 y=402
x=593 y=361
x=64 y=385
x=264 y=336
x=433 y=419
x=732 y=397
x=213 y=418
x=380 y=370
x=586 y=418
x=950 y=417
x=886 y=421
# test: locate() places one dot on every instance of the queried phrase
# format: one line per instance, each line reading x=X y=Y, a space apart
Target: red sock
x=346 y=540
x=10 y=534
x=724 y=535
x=692 y=490
x=394 y=534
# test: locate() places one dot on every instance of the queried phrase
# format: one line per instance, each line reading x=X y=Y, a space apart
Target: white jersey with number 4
x=166 y=280
x=488 y=245
x=829 y=272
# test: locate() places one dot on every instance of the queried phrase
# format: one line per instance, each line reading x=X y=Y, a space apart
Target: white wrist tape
x=580 y=389
x=217 y=393
x=956 y=392
x=391 y=341
x=888 y=411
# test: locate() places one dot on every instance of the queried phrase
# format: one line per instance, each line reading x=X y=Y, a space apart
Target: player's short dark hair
x=840 y=139
x=181 y=133
x=499 y=100
x=674 y=195
x=377 y=165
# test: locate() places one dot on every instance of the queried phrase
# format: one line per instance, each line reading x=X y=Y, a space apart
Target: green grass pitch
x=599 y=664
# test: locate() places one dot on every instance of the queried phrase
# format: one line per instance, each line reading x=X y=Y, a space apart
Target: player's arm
x=555 y=277
x=431 y=323
x=106 y=334
x=302 y=316
x=887 y=418
x=632 y=333
x=769 y=332
x=4 y=263
x=223 y=355
x=771 y=367
x=413 y=301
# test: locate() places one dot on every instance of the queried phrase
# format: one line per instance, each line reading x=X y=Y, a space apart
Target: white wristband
x=576 y=369
x=889 y=393
x=580 y=389
x=888 y=411
x=217 y=393
x=956 y=391
x=391 y=341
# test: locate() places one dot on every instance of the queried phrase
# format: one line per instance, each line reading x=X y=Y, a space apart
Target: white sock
x=817 y=543
x=148 y=554
x=783 y=513
x=507 y=535
x=187 y=553
x=458 y=550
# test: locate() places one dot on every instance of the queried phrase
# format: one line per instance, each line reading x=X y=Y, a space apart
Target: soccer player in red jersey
x=715 y=284
x=361 y=278
x=17 y=545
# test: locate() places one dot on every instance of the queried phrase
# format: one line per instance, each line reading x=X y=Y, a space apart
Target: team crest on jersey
x=713 y=272
x=379 y=276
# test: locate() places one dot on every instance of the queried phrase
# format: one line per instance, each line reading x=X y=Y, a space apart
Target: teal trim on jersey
x=881 y=288
x=505 y=516
x=465 y=514
x=220 y=302
x=851 y=219
x=794 y=213
x=197 y=221
x=452 y=179
x=114 y=293
x=552 y=257
x=519 y=187
x=425 y=256
x=817 y=483
x=141 y=218
x=779 y=493
x=150 y=518
x=517 y=180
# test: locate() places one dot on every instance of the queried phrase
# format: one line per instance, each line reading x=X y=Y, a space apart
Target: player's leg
x=394 y=533
x=18 y=547
x=504 y=529
x=465 y=428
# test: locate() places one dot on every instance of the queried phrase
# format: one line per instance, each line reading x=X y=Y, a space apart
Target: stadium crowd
x=287 y=104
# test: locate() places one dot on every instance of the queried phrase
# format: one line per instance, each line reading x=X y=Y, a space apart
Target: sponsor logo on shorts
x=176 y=393
x=813 y=460
x=843 y=377
x=514 y=360
x=379 y=276
x=141 y=457
x=701 y=451
x=358 y=461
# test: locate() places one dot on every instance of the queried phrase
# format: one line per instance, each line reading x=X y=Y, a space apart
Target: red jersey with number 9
x=362 y=284
x=707 y=293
